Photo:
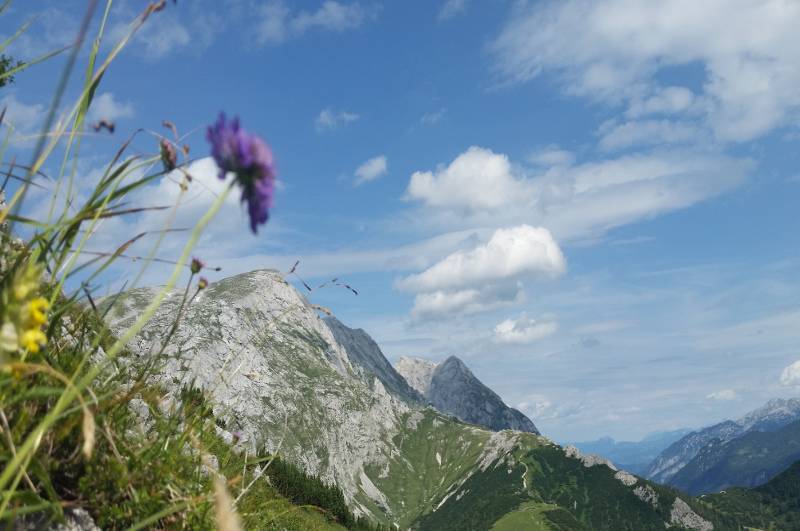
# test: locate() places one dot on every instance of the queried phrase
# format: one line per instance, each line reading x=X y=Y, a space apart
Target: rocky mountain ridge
x=746 y=461
x=452 y=388
x=366 y=353
x=771 y=417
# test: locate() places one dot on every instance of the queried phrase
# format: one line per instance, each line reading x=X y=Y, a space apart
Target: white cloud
x=542 y=408
x=552 y=156
x=483 y=188
x=523 y=330
x=613 y=50
x=163 y=36
x=476 y=179
x=432 y=118
x=442 y=304
x=602 y=327
x=667 y=100
x=510 y=253
x=371 y=170
x=791 y=375
x=227 y=237
x=452 y=8
x=647 y=133
x=50 y=30
x=191 y=27
x=329 y=119
x=723 y=395
x=105 y=106
x=24 y=117
x=487 y=276
x=277 y=23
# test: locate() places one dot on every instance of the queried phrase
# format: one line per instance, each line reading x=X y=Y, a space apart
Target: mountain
x=417 y=372
x=451 y=388
x=364 y=352
x=747 y=461
x=774 y=415
x=275 y=375
x=774 y=505
x=633 y=456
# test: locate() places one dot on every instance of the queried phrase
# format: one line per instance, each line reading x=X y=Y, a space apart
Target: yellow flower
x=36 y=310
x=27 y=282
x=33 y=340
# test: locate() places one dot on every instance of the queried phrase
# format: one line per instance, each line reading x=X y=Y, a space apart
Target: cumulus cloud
x=278 y=23
x=722 y=396
x=487 y=276
x=441 y=304
x=791 y=375
x=509 y=254
x=614 y=51
x=523 y=330
x=370 y=170
x=329 y=119
x=476 y=179
x=483 y=188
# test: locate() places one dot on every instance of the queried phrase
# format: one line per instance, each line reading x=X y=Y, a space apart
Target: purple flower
x=250 y=159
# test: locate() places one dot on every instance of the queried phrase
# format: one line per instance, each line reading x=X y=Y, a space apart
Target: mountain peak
x=452 y=388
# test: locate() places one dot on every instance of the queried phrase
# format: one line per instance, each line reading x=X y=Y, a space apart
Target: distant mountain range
x=633 y=456
x=744 y=452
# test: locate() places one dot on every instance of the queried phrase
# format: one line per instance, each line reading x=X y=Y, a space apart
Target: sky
x=592 y=203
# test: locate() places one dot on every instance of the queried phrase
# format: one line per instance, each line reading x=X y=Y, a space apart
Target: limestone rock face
x=683 y=515
x=364 y=352
x=275 y=373
x=417 y=372
x=451 y=388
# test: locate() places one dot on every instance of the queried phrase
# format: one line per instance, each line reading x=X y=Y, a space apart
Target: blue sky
x=594 y=204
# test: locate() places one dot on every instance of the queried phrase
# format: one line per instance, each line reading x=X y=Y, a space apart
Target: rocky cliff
x=453 y=389
x=365 y=353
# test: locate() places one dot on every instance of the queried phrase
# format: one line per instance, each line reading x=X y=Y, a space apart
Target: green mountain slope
x=774 y=506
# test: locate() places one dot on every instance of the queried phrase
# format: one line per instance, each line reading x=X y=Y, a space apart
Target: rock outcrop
x=451 y=388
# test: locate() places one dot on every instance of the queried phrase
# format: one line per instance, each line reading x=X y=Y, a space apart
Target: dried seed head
x=88 y=433
x=227 y=519
x=169 y=158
